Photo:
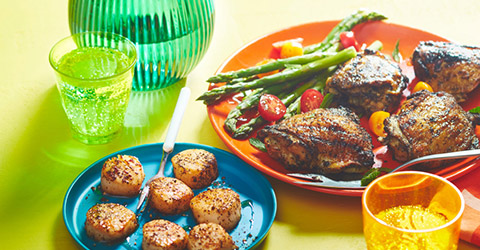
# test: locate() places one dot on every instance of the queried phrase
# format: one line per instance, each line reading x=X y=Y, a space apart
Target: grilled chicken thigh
x=429 y=123
x=325 y=141
x=448 y=67
x=368 y=82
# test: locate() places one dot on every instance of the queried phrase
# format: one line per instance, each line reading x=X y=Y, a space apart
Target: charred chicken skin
x=429 y=123
x=325 y=141
x=368 y=82
x=448 y=67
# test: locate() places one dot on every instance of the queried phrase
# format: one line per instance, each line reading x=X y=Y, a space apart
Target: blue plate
x=259 y=204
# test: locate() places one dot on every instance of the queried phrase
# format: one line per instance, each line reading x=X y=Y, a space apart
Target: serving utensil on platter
x=318 y=180
x=169 y=143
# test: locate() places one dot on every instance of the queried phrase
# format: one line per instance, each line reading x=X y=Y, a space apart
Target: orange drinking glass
x=412 y=210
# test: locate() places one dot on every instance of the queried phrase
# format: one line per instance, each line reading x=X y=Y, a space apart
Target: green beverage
x=94 y=85
x=93 y=63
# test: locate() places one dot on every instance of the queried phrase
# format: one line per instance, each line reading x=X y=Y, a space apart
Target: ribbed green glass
x=171 y=36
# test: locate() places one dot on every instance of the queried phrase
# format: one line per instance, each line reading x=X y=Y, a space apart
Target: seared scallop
x=170 y=195
x=220 y=205
x=122 y=175
x=163 y=235
x=210 y=236
x=196 y=167
x=110 y=222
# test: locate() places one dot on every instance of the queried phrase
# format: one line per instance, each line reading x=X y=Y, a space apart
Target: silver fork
x=169 y=140
x=325 y=182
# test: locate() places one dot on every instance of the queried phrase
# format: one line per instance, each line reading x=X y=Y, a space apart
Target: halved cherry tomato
x=376 y=122
x=265 y=61
x=310 y=100
x=271 y=108
x=347 y=39
x=422 y=85
x=277 y=47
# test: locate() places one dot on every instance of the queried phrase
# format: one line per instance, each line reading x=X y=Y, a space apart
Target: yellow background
x=39 y=159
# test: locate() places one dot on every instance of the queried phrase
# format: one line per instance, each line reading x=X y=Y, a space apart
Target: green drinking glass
x=94 y=72
x=171 y=36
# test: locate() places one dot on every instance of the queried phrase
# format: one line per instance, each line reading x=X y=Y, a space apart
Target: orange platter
x=259 y=49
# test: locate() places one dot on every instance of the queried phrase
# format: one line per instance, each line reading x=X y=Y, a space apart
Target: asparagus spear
x=330 y=43
x=289 y=74
x=268 y=67
x=246 y=129
x=346 y=24
x=248 y=102
x=243 y=79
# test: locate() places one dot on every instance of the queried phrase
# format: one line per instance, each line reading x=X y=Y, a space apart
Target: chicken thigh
x=429 y=123
x=368 y=82
x=448 y=67
x=325 y=141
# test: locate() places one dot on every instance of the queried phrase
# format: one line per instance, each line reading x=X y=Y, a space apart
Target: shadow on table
x=309 y=212
x=45 y=159
x=148 y=115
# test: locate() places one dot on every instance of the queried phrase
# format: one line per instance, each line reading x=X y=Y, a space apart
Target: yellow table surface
x=39 y=159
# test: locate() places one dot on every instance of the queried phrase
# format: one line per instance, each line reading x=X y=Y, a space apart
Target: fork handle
x=176 y=119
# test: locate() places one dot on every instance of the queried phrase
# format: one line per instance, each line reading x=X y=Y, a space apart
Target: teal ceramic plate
x=259 y=204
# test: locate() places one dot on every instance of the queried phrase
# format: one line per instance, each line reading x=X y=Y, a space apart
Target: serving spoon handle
x=435 y=157
x=325 y=182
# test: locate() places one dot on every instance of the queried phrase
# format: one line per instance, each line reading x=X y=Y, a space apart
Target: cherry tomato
x=376 y=122
x=477 y=131
x=347 y=39
x=422 y=85
x=265 y=61
x=276 y=51
x=310 y=100
x=271 y=108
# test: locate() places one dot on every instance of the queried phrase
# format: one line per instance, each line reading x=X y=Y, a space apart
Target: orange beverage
x=412 y=210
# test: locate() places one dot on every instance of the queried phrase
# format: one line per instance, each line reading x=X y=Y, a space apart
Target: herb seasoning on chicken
x=368 y=82
x=429 y=123
x=325 y=141
x=448 y=67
